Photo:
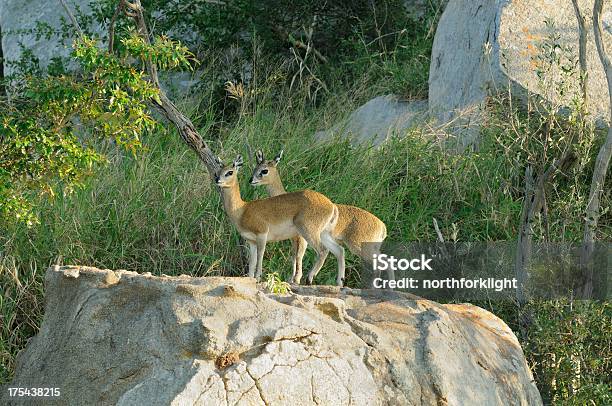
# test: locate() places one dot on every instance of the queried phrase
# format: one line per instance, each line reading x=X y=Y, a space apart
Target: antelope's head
x=265 y=171
x=227 y=176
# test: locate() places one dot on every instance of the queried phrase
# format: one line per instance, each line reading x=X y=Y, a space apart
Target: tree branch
x=602 y=162
x=185 y=127
x=582 y=51
x=74 y=21
x=533 y=203
x=601 y=48
x=111 y=26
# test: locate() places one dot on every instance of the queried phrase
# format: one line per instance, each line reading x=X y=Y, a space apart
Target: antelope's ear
x=259 y=156
x=278 y=157
x=238 y=162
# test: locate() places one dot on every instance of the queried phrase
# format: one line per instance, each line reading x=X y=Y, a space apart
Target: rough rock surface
x=483 y=45
x=377 y=120
x=18 y=17
x=118 y=337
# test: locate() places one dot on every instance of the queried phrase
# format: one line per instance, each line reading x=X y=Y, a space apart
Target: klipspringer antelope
x=306 y=213
x=361 y=231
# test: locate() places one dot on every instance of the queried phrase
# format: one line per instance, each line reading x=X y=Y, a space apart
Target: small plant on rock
x=274 y=284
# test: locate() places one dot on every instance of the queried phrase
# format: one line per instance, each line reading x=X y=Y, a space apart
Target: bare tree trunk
x=535 y=199
x=2 y=88
x=582 y=52
x=601 y=164
x=523 y=246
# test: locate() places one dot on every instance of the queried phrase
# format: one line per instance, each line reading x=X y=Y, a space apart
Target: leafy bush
x=213 y=25
x=567 y=345
x=50 y=122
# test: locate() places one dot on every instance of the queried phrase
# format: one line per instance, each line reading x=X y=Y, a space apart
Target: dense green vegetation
x=154 y=209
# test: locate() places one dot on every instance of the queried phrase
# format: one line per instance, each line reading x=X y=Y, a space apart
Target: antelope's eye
x=264 y=171
x=229 y=173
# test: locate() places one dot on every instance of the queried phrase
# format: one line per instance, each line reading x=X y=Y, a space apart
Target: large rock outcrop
x=482 y=46
x=19 y=20
x=118 y=337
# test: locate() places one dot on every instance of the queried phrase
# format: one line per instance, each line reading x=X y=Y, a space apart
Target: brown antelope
x=306 y=213
x=361 y=231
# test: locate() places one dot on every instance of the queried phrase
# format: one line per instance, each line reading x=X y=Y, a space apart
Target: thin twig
x=545 y=221
x=441 y=238
x=438 y=232
x=298 y=44
x=304 y=66
x=136 y=12
x=600 y=43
